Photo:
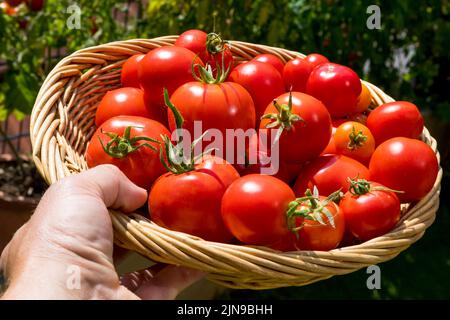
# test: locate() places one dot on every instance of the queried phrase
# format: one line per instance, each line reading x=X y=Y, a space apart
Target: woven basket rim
x=235 y=266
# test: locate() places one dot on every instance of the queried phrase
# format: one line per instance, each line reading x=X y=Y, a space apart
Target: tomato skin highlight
x=343 y=142
x=122 y=101
x=395 y=119
x=191 y=202
x=142 y=166
x=261 y=80
x=296 y=73
x=165 y=67
x=372 y=214
x=407 y=165
x=306 y=139
x=316 y=59
x=254 y=209
x=194 y=40
x=129 y=76
x=337 y=86
x=329 y=173
x=272 y=60
x=218 y=106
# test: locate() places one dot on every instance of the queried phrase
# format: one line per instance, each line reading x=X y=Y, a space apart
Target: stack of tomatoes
x=320 y=168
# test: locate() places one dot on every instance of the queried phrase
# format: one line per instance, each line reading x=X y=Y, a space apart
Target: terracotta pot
x=14 y=211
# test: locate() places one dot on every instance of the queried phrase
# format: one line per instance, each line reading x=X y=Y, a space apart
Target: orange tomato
x=363 y=99
x=354 y=140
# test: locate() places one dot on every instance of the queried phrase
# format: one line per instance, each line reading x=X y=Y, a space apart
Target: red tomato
x=405 y=164
x=194 y=40
x=338 y=87
x=218 y=106
x=261 y=80
x=271 y=59
x=370 y=210
x=316 y=59
x=301 y=140
x=354 y=140
x=129 y=76
x=254 y=209
x=314 y=235
x=140 y=164
x=296 y=73
x=165 y=67
x=395 y=119
x=122 y=101
x=329 y=173
x=223 y=59
x=190 y=202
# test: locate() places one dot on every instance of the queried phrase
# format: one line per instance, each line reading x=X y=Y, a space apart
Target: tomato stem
x=359 y=187
x=284 y=119
x=120 y=146
x=356 y=139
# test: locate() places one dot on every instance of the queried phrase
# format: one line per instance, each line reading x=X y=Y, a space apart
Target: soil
x=20 y=182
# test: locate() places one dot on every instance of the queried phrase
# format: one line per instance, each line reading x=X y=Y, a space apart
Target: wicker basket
x=62 y=123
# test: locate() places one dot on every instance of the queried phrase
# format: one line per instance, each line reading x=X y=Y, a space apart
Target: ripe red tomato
x=129 y=76
x=254 y=209
x=395 y=119
x=296 y=73
x=405 y=164
x=329 y=173
x=314 y=235
x=190 y=202
x=261 y=80
x=194 y=40
x=123 y=101
x=132 y=154
x=165 y=67
x=304 y=136
x=370 y=209
x=271 y=59
x=316 y=59
x=354 y=140
x=218 y=106
x=337 y=86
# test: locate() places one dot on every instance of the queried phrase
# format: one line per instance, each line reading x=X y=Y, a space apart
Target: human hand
x=71 y=231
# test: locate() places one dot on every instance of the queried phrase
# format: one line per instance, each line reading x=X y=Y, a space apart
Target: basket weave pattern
x=62 y=123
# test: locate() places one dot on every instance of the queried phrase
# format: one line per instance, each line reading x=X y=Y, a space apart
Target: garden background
x=408 y=58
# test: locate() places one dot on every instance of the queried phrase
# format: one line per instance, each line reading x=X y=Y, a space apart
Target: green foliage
x=336 y=28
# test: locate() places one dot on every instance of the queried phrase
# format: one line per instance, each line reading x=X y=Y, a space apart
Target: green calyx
x=356 y=139
x=120 y=146
x=284 y=119
x=359 y=187
x=214 y=43
x=177 y=161
x=311 y=207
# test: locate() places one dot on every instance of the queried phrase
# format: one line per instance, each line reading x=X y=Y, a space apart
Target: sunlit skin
x=72 y=227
